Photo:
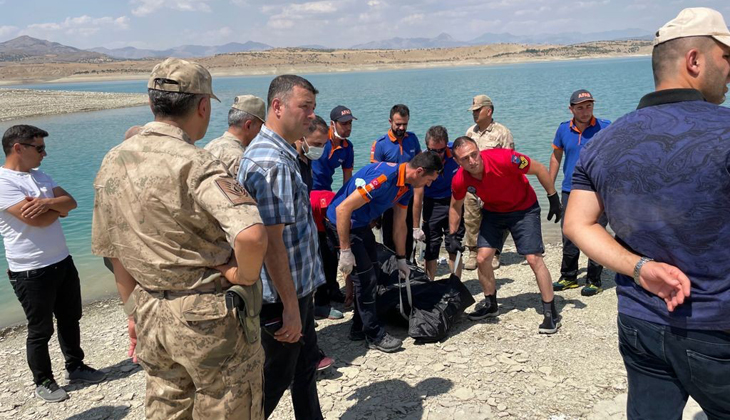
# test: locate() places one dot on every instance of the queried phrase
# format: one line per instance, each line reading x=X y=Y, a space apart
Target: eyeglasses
x=39 y=149
x=439 y=151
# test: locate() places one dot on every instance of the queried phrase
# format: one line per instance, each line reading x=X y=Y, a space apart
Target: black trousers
x=571 y=253
x=328 y=251
x=364 y=279
x=436 y=225
x=43 y=293
x=292 y=364
x=387 y=229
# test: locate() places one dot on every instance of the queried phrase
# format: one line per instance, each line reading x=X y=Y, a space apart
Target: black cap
x=341 y=114
x=579 y=96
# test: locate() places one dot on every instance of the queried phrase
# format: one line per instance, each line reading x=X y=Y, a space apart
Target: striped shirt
x=270 y=172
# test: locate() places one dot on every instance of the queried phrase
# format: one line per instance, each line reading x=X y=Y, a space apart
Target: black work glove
x=555 y=209
x=453 y=245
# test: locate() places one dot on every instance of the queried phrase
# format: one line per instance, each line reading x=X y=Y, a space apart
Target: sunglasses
x=439 y=151
x=39 y=149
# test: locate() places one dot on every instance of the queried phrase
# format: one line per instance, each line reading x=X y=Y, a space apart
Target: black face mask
x=399 y=132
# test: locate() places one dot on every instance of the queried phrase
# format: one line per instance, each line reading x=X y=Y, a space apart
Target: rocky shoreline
x=25 y=103
x=499 y=369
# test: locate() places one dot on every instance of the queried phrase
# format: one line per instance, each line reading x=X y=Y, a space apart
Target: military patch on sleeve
x=515 y=160
x=523 y=162
x=234 y=192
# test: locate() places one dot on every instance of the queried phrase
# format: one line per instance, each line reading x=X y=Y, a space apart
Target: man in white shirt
x=41 y=270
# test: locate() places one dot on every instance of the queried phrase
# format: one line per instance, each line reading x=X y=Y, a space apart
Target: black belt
x=445 y=200
x=31 y=273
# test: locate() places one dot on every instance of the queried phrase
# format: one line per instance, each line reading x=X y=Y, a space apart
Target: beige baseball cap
x=252 y=105
x=176 y=75
x=695 y=21
x=480 y=101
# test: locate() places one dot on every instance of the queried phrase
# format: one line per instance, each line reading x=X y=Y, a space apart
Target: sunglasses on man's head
x=39 y=149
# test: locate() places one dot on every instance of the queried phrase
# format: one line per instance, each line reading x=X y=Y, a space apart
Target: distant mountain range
x=32 y=50
x=447 y=41
x=443 y=40
x=183 y=51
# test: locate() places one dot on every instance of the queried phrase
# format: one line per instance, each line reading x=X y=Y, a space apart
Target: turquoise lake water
x=531 y=99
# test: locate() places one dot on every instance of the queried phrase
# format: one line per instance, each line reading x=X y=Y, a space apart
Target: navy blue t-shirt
x=662 y=173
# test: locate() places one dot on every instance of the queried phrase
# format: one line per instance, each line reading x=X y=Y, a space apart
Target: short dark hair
x=400 y=109
x=461 y=141
x=437 y=132
x=282 y=86
x=319 y=124
x=238 y=118
x=173 y=104
x=20 y=133
x=429 y=161
x=664 y=56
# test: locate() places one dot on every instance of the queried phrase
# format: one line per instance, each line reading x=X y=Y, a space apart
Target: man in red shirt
x=497 y=177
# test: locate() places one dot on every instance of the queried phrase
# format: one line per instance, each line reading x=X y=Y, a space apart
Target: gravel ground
x=25 y=103
x=501 y=369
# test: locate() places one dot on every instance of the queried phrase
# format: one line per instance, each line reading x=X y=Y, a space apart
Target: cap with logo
x=695 y=21
x=176 y=75
x=580 y=96
x=480 y=101
x=251 y=105
x=341 y=114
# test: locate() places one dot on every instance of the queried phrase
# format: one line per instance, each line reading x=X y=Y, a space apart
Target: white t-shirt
x=28 y=247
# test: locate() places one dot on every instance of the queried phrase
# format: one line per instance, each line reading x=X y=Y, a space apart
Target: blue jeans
x=665 y=365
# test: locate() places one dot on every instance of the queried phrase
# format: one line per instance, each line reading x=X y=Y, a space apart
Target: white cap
x=696 y=21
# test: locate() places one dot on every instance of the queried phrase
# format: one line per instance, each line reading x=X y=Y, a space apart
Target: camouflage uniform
x=228 y=149
x=169 y=211
x=496 y=136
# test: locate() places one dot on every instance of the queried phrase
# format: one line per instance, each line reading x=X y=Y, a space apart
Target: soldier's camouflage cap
x=252 y=105
x=176 y=75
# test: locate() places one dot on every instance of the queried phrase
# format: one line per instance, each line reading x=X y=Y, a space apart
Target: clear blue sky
x=165 y=23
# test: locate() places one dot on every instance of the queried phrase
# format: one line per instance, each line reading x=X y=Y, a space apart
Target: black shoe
x=487 y=308
x=387 y=344
x=85 y=374
x=49 y=391
x=550 y=324
x=356 y=335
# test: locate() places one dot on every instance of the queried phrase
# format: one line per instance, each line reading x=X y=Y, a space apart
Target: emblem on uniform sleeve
x=523 y=162
x=234 y=192
x=515 y=160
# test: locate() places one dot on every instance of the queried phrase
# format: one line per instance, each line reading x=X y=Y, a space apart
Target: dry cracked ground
x=499 y=369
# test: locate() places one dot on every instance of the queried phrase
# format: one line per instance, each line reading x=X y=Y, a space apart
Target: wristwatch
x=637 y=268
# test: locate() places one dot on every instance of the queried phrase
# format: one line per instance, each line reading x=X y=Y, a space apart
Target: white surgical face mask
x=334 y=131
x=313 y=153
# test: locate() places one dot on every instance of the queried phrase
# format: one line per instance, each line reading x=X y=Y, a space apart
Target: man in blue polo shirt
x=338 y=151
x=397 y=146
x=570 y=138
x=434 y=200
x=374 y=189
x=661 y=174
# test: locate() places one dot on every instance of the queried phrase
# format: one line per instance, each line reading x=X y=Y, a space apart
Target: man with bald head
x=662 y=176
